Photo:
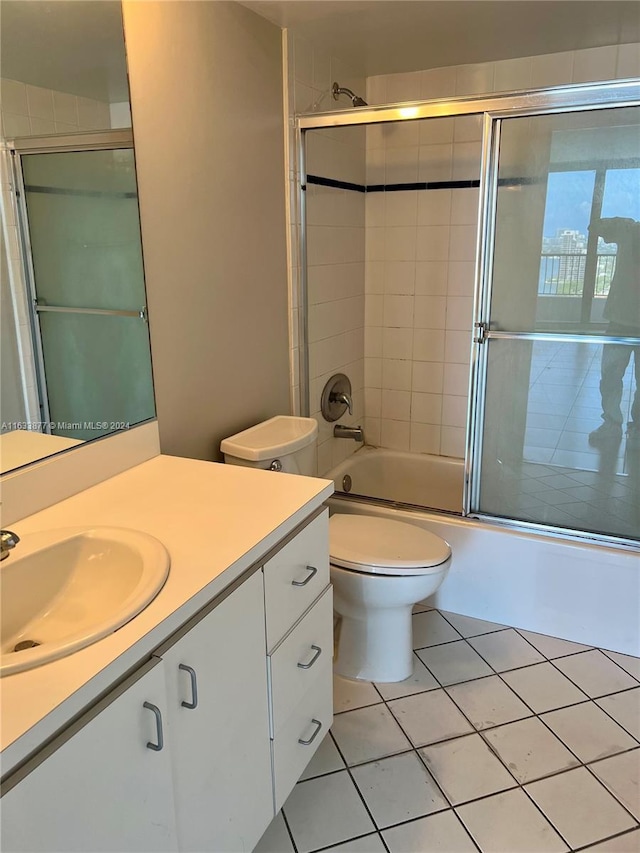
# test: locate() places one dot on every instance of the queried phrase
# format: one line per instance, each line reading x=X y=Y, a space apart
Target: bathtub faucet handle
x=341 y=397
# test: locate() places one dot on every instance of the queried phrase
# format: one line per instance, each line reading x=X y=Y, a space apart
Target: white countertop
x=215 y=520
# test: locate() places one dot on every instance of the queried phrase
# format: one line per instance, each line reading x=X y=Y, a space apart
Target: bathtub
x=408 y=478
x=588 y=593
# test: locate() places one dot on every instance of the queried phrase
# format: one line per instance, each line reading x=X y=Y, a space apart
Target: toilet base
x=378 y=649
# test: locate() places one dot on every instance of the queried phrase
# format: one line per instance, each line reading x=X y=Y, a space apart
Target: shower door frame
x=494 y=108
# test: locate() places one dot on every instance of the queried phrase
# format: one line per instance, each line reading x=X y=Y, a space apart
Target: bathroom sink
x=61 y=590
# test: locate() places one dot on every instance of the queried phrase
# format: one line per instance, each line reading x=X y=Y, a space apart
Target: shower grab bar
x=111 y=312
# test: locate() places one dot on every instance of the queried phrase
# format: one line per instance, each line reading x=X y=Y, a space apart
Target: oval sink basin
x=61 y=590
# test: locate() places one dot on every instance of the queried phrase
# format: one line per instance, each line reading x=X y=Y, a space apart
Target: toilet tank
x=287 y=440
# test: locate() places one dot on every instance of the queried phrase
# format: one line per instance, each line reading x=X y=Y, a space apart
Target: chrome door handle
x=312 y=571
x=156 y=711
x=194 y=687
x=318 y=725
x=318 y=652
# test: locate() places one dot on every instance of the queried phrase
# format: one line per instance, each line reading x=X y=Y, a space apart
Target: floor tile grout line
x=286 y=823
x=586 y=847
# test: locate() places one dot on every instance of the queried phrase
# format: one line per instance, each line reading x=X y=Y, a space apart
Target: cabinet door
x=101 y=787
x=220 y=748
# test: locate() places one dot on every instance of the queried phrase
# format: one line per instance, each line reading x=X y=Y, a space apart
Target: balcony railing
x=563 y=275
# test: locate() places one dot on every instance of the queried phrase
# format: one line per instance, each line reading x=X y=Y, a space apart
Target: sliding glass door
x=556 y=440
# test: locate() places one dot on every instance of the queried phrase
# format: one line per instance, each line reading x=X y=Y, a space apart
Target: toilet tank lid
x=275 y=437
x=382 y=542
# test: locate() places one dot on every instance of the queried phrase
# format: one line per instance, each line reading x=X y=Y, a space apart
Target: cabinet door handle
x=155 y=746
x=312 y=571
x=318 y=726
x=318 y=652
x=194 y=687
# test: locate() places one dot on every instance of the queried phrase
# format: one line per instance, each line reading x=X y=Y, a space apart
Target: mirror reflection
x=76 y=361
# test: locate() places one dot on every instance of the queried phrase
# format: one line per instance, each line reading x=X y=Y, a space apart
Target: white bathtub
x=569 y=589
x=409 y=478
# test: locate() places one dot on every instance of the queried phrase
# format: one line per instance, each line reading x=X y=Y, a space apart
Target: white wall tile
x=373 y=342
x=40 y=102
x=372 y=402
x=400 y=244
x=461 y=280
x=462 y=242
x=399 y=277
x=377 y=89
x=396 y=405
x=438 y=83
x=425 y=438
x=464 y=206
x=456 y=379
x=397 y=343
x=373 y=310
x=401 y=134
x=475 y=79
x=597 y=63
x=426 y=408
x=404 y=87
x=395 y=434
x=434 y=207
x=512 y=75
x=431 y=278
x=401 y=165
x=466 y=161
x=15 y=125
x=429 y=345
x=432 y=243
x=435 y=131
x=401 y=208
x=457 y=347
x=628 y=64
x=375 y=210
x=430 y=312
x=398 y=311
x=65 y=108
x=42 y=127
x=452 y=441
x=454 y=410
x=427 y=377
x=468 y=128
x=555 y=69
x=372 y=431
x=459 y=313
x=303 y=61
x=435 y=162
x=374 y=275
x=396 y=374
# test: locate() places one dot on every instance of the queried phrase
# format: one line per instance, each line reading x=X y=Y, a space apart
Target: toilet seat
x=371 y=545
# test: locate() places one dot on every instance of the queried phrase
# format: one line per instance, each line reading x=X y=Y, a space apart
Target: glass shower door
x=89 y=294
x=557 y=435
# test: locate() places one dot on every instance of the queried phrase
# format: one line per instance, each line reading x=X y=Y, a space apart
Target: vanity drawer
x=309 y=721
x=297 y=662
x=295 y=577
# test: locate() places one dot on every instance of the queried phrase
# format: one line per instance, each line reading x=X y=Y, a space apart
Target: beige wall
x=206 y=101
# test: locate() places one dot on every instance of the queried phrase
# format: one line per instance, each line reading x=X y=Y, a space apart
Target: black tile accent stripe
x=416 y=185
x=33 y=188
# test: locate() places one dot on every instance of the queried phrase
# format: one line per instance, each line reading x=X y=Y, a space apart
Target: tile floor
x=562 y=480
x=502 y=741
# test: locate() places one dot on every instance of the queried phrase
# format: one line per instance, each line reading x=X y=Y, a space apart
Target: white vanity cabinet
x=217 y=713
x=198 y=749
x=99 y=787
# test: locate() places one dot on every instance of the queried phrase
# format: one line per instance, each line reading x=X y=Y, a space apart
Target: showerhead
x=356 y=100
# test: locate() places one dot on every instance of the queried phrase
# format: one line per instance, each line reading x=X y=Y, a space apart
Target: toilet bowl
x=380 y=568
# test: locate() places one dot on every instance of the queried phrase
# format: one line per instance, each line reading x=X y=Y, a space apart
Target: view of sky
x=569 y=196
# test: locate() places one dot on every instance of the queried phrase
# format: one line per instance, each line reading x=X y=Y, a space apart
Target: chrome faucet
x=8 y=541
x=341 y=397
x=342 y=431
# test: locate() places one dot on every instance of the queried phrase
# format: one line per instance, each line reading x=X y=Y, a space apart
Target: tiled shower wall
x=420 y=245
x=336 y=242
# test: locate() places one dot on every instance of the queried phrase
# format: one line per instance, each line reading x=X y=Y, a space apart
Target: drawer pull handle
x=318 y=652
x=312 y=571
x=194 y=687
x=318 y=726
x=155 y=746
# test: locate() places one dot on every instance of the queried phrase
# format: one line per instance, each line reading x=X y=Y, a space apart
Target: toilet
x=380 y=567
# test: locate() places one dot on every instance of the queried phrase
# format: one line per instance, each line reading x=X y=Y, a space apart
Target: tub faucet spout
x=342 y=431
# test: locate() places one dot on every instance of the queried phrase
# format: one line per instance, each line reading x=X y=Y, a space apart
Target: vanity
x=186 y=728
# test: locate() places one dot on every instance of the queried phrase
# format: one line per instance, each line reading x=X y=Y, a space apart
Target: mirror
x=75 y=360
